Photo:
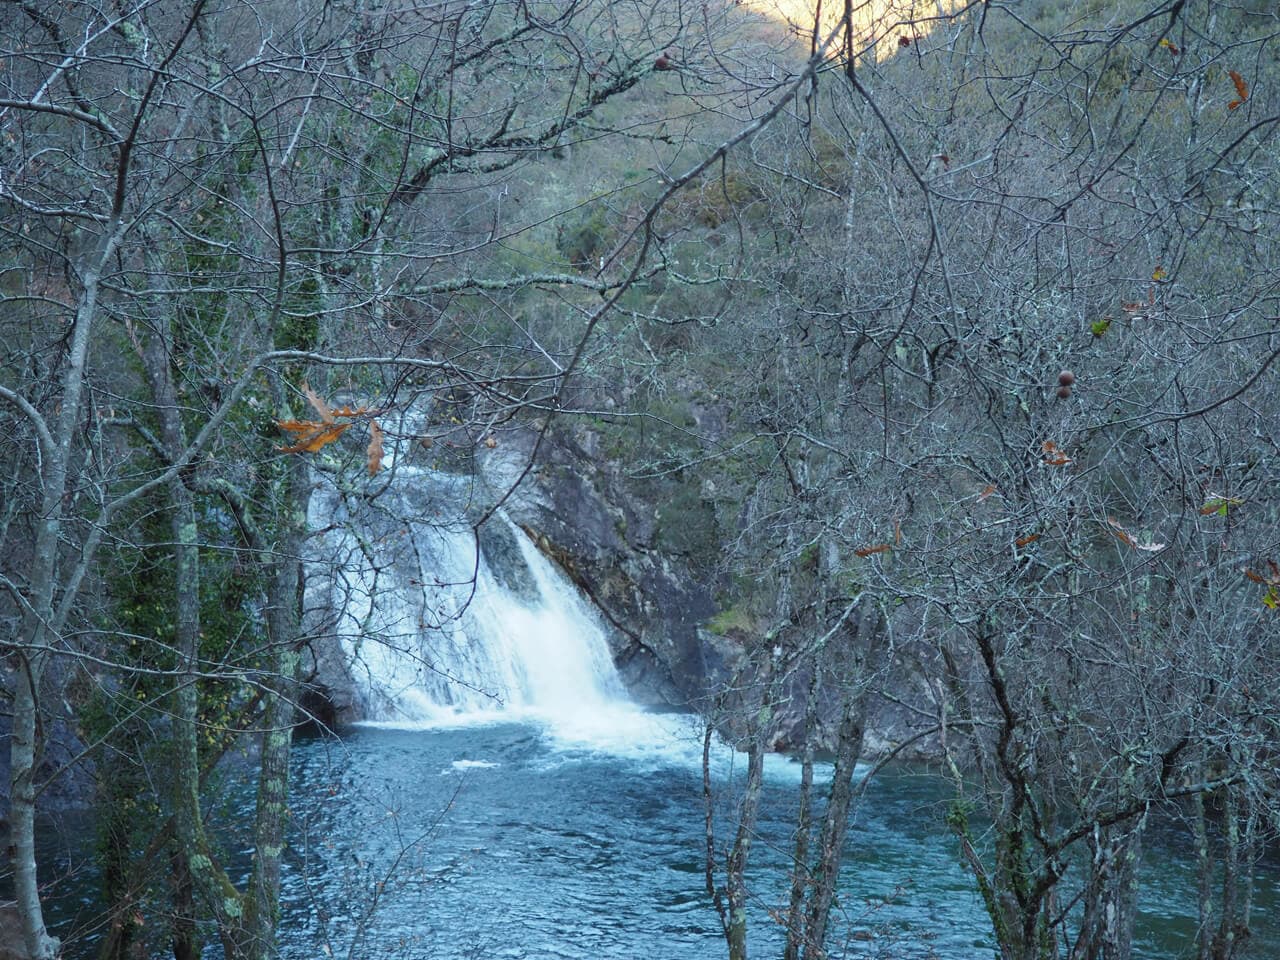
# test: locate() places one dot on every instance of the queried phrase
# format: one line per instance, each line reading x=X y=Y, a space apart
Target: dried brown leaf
x=868 y=551
x=320 y=436
x=1242 y=89
x=320 y=406
x=374 y=450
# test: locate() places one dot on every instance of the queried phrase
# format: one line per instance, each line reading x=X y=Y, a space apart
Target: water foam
x=445 y=628
x=444 y=634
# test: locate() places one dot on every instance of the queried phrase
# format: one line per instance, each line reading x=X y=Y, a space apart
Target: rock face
x=603 y=538
x=644 y=556
x=605 y=541
x=647 y=559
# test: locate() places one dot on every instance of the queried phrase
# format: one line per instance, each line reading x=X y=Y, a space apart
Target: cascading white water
x=442 y=626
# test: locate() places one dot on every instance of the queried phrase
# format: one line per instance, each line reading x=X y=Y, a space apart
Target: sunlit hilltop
x=881 y=28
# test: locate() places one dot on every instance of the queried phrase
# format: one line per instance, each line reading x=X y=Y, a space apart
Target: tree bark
x=800 y=877
x=38 y=631
x=835 y=823
x=735 y=881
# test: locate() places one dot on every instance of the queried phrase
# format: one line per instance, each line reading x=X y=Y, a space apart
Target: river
x=519 y=840
x=510 y=802
x=568 y=823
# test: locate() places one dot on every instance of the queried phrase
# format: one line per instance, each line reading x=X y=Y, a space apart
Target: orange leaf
x=1029 y=538
x=1255 y=577
x=897 y=533
x=1242 y=89
x=374 y=450
x=1053 y=454
x=868 y=551
x=987 y=491
x=319 y=436
x=1127 y=537
x=1121 y=533
x=299 y=426
x=321 y=407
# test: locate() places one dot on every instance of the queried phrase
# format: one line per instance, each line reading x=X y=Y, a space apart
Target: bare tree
x=1003 y=318
x=214 y=206
x=1013 y=325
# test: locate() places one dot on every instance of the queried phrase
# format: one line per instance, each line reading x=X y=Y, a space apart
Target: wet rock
x=608 y=541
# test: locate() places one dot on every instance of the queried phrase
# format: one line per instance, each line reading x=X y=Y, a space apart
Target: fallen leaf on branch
x=320 y=406
x=1126 y=537
x=1219 y=504
x=1053 y=454
x=309 y=435
x=1242 y=89
x=374 y=450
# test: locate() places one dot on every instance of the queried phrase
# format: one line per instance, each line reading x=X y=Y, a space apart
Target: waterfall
x=441 y=625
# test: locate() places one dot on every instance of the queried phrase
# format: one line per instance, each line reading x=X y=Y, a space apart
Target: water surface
x=522 y=841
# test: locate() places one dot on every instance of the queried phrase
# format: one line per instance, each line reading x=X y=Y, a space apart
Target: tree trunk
x=22 y=800
x=186 y=940
x=38 y=631
x=193 y=858
x=800 y=877
x=835 y=823
x=283 y=614
x=735 y=883
x=759 y=707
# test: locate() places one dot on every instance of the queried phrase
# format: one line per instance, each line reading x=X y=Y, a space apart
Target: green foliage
x=719 y=200
x=733 y=619
x=687 y=525
x=583 y=239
